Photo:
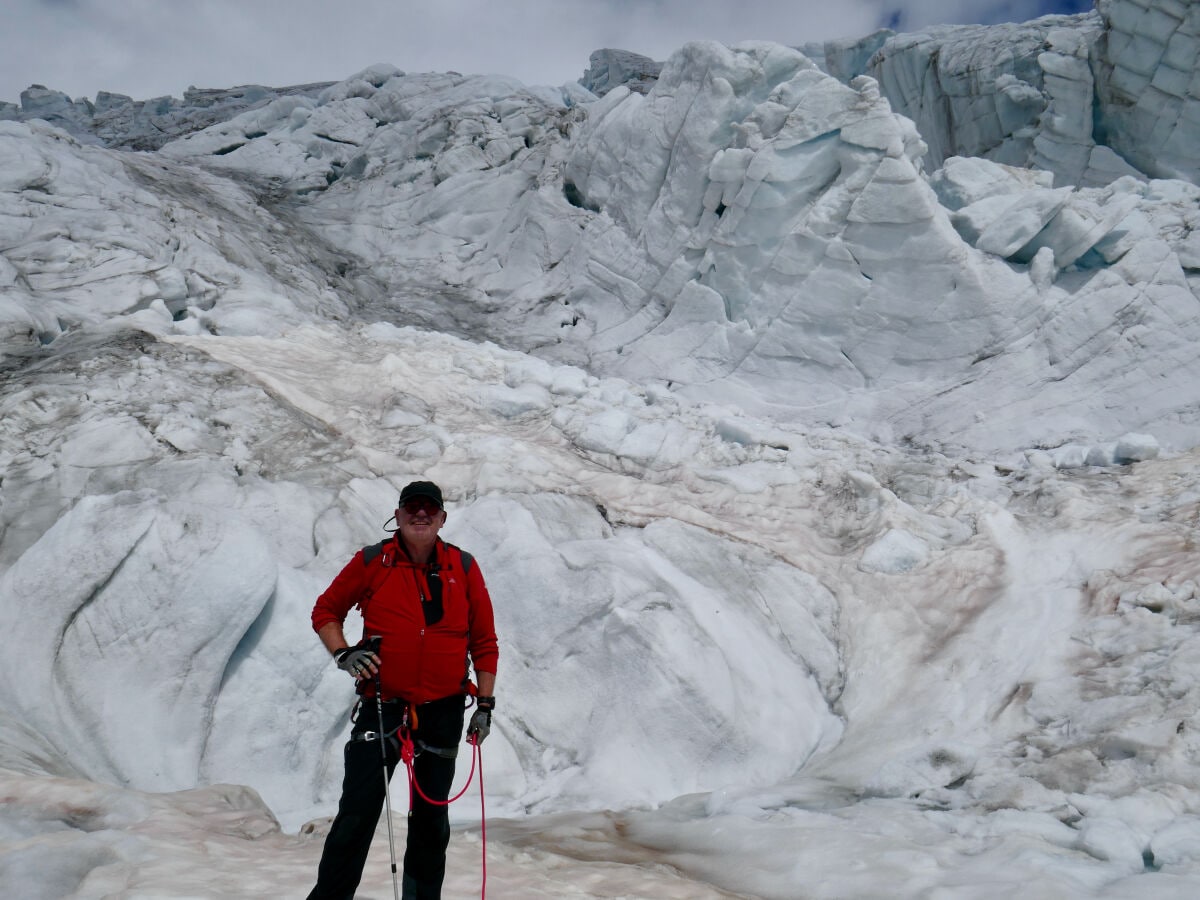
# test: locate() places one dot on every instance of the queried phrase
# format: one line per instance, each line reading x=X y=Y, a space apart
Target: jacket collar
x=403 y=556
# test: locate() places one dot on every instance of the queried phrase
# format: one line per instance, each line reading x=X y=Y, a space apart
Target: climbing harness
x=408 y=749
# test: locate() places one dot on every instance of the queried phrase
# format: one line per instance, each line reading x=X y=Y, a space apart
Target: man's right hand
x=359 y=660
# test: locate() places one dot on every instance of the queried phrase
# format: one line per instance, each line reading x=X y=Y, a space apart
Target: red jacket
x=418 y=661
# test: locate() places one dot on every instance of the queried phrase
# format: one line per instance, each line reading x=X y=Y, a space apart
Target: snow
x=837 y=495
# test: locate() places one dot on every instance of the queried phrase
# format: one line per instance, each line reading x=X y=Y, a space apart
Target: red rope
x=482 y=819
x=408 y=754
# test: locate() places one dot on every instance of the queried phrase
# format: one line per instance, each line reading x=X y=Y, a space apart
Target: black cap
x=422 y=489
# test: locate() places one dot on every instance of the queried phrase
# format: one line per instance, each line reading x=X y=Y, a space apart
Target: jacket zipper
x=420 y=634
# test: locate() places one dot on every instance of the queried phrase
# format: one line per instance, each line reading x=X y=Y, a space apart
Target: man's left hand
x=480 y=725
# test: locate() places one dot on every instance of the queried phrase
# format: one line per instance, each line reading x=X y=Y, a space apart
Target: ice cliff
x=842 y=262
x=1089 y=98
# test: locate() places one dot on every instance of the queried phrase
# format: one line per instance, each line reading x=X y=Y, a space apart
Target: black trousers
x=439 y=725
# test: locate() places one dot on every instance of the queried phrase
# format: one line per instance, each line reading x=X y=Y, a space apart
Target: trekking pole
x=387 y=792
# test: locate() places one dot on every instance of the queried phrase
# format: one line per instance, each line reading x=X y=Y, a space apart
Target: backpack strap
x=369 y=553
x=467 y=559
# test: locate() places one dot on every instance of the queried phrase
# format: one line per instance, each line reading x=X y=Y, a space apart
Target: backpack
x=370 y=552
x=374 y=552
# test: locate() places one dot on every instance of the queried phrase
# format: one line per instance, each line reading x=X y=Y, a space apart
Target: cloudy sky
x=149 y=48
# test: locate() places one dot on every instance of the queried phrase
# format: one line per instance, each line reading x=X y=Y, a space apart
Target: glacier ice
x=826 y=433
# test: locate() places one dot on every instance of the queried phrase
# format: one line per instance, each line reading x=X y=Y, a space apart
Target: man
x=428 y=602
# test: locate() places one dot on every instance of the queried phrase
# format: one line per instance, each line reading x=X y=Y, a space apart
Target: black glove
x=480 y=725
x=359 y=660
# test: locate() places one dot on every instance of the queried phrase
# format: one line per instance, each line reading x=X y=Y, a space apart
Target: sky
x=152 y=48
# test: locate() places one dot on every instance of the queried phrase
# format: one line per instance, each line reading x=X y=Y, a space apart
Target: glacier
x=824 y=420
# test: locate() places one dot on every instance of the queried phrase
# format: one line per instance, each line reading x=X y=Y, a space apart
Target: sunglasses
x=419 y=504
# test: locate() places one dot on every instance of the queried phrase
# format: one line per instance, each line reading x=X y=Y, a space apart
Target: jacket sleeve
x=345 y=591
x=485 y=653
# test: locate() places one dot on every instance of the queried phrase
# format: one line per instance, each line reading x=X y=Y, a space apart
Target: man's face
x=420 y=519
